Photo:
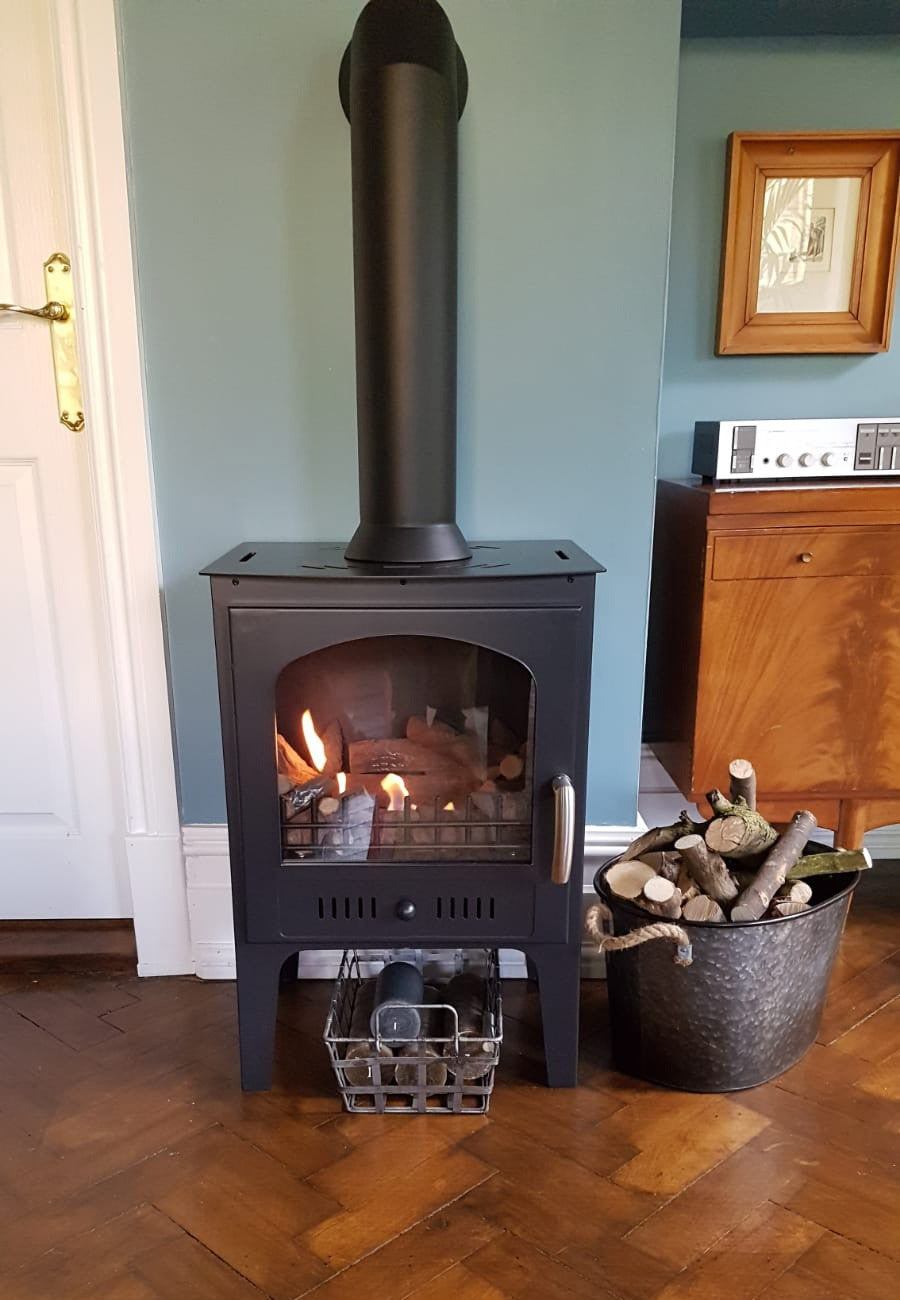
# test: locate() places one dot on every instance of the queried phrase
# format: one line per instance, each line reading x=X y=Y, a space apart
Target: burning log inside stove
x=291 y=767
x=400 y=755
x=426 y=794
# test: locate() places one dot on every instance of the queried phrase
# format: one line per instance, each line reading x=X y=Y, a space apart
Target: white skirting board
x=209 y=905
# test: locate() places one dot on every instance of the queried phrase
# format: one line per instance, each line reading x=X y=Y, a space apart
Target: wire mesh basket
x=439 y=1073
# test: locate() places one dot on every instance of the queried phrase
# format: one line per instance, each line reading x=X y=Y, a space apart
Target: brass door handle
x=49 y=311
x=563 y=830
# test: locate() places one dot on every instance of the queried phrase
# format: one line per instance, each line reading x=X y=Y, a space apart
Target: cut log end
x=742 y=778
x=788 y=907
x=702 y=908
x=658 y=889
x=627 y=879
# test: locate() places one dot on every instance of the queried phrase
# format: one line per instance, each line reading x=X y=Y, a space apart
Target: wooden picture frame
x=810 y=239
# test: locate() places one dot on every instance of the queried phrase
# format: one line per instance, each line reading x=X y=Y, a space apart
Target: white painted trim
x=209 y=905
x=87 y=74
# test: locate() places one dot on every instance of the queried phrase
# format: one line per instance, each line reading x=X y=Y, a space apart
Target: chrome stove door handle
x=563 y=830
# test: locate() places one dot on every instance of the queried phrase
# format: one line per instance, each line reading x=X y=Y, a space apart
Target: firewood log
x=664 y=863
x=466 y=993
x=686 y=883
x=662 y=898
x=669 y=865
x=291 y=765
x=670 y=909
x=662 y=837
x=400 y=755
x=333 y=742
x=788 y=907
x=707 y=868
x=438 y=734
x=737 y=831
x=827 y=864
x=742 y=781
x=755 y=899
x=361 y=1075
x=702 y=908
x=511 y=766
x=797 y=891
x=627 y=879
x=434 y=1026
x=658 y=890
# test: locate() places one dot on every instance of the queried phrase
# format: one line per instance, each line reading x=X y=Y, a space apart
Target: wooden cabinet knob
x=805 y=557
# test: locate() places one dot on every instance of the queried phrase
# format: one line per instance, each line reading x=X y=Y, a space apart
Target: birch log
x=784 y=854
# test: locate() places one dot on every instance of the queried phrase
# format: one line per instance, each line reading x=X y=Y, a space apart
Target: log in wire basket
x=381 y=1093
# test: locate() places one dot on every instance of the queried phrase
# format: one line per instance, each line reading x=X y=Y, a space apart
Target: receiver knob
x=807 y=459
x=784 y=460
x=406 y=909
x=828 y=459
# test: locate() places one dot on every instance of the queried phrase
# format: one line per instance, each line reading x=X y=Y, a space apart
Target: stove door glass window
x=406 y=749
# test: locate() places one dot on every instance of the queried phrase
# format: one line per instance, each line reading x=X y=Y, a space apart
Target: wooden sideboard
x=775 y=636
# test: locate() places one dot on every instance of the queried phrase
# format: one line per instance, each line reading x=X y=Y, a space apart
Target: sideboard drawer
x=828 y=553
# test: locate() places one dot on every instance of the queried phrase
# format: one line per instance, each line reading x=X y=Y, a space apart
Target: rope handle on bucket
x=596 y=915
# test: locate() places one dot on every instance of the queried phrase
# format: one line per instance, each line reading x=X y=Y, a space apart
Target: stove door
x=392 y=771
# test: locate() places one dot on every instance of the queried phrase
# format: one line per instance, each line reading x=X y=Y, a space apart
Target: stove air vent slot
x=464 y=908
x=347 y=907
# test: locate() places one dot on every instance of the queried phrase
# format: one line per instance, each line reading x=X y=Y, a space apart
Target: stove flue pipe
x=403 y=87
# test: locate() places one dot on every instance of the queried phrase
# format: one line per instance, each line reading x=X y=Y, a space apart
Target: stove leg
x=258 y=970
x=559 y=980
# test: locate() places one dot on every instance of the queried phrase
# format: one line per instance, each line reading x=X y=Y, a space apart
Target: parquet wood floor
x=132 y=1168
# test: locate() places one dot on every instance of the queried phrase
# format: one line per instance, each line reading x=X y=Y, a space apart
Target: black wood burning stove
x=405 y=723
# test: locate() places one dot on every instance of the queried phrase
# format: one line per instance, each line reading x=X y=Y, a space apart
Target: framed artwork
x=809 y=249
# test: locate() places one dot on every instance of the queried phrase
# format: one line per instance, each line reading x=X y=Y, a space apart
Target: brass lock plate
x=58 y=284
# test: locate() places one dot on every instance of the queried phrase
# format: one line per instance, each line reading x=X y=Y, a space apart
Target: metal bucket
x=745 y=1010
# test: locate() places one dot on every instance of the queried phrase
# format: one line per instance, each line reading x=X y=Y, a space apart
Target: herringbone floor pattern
x=134 y=1169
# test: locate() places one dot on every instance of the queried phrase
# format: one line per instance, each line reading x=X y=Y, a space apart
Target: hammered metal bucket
x=745 y=1010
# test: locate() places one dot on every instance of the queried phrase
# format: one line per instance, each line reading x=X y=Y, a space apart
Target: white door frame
x=86 y=66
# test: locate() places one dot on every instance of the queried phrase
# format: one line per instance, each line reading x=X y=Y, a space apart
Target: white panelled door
x=62 y=845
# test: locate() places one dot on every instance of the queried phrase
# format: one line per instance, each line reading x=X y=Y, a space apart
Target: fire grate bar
x=385 y=833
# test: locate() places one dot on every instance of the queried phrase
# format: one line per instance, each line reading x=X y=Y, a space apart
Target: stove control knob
x=829 y=459
x=406 y=909
x=807 y=459
x=784 y=460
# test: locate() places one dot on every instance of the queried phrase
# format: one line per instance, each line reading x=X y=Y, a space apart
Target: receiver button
x=807 y=459
x=828 y=459
x=784 y=460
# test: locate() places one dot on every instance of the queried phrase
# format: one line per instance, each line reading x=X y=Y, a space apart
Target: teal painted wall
x=240 y=186
x=801 y=83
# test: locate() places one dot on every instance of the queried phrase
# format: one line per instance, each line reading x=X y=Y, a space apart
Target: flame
x=313 y=741
x=450 y=807
x=393 y=785
x=342 y=782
